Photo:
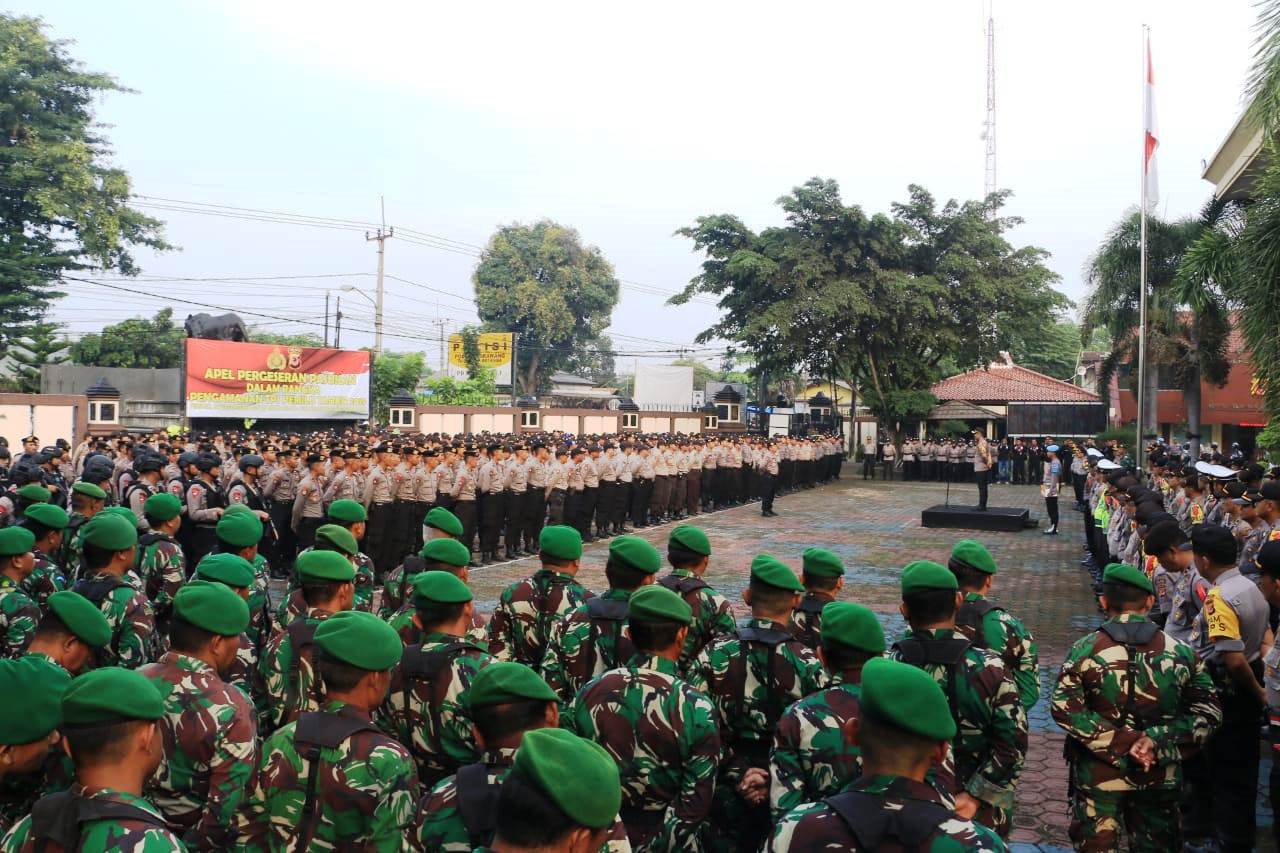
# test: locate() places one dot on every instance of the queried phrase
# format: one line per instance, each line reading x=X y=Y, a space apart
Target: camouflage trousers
x=995 y=818
x=1150 y=820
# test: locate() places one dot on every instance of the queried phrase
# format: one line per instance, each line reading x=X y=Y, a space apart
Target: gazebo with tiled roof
x=1025 y=401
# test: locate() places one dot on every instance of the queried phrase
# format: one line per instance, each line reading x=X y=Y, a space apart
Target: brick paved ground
x=875 y=528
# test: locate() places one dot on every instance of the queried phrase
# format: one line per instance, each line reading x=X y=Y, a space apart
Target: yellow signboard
x=496 y=352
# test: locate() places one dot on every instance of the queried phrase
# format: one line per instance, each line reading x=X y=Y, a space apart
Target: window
x=630 y=420
x=727 y=411
x=102 y=412
x=711 y=422
x=402 y=417
x=528 y=419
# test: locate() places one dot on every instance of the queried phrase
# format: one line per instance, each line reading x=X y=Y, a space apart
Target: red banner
x=226 y=379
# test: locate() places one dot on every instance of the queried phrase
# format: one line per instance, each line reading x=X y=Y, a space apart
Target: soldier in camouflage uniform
x=460 y=813
x=589 y=640
x=18 y=613
x=439 y=524
x=87 y=500
x=71 y=633
x=161 y=563
x=989 y=626
x=812 y=756
x=521 y=623
x=660 y=731
x=235 y=532
x=210 y=739
x=331 y=780
x=235 y=573
x=427 y=705
x=288 y=665
x=352 y=516
x=110 y=544
x=903 y=729
x=438 y=555
x=47 y=523
x=822 y=574
x=1133 y=702
x=333 y=539
x=111 y=722
x=689 y=552
x=992 y=739
x=751 y=678
x=29 y=719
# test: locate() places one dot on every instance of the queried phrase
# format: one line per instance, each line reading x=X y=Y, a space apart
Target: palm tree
x=1187 y=319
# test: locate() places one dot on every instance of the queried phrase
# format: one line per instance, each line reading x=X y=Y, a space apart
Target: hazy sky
x=625 y=121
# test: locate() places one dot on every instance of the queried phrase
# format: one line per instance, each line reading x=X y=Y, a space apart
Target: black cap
x=1268 y=558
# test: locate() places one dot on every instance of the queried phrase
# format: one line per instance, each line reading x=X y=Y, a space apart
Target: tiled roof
x=961 y=410
x=1002 y=383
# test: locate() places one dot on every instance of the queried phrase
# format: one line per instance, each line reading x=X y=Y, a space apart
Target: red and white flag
x=1151 y=135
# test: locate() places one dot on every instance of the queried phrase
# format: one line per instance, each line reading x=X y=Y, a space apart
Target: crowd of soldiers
x=157 y=698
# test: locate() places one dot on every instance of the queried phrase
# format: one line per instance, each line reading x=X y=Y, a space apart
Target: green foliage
x=704 y=373
x=1054 y=353
x=1128 y=436
x=881 y=301
x=40 y=345
x=447 y=391
x=62 y=207
x=1269 y=438
x=471 y=350
x=953 y=428
x=136 y=342
x=303 y=339
x=540 y=282
x=392 y=373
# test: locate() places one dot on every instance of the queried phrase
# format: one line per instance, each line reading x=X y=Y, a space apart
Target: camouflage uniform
x=1123 y=681
x=712 y=615
x=114 y=834
x=45 y=579
x=578 y=650
x=735 y=674
x=527 y=609
x=1004 y=634
x=19 y=793
x=210 y=750
x=807 y=618
x=810 y=758
x=991 y=738
x=411 y=634
x=441 y=825
x=291 y=687
x=163 y=570
x=429 y=712
x=18 y=618
x=129 y=614
x=294 y=605
x=663 y=735
x=365 y=794
x=817 y=826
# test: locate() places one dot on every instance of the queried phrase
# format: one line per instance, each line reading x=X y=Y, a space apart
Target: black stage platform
x=966 y=517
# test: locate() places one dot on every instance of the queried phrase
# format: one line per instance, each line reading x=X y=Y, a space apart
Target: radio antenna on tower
x=989 y=127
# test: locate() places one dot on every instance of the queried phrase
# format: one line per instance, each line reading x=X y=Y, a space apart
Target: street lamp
x=377 y=315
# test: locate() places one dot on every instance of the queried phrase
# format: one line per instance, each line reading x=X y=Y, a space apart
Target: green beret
x=769 y=570
x=635 y=553
x=576 y=774
x=502 y=682
x=657 y=603
x=906 y=698
x=82 y=618
x=439 y=588
x=15 y=541
x=560 y=542
x=111 y=695
x=821 y=563
x=238 y=509
x=33 y=689
x=448 y=551
x=339 y=537
x=121 y=512
x=35 y=493
x=239 y=530
x=852 y=625
x=974 y=554
x=110 y=532
x=230 y=569
x=1126 y=574
x=360 y=639
x=324 y=566
x=443 y=520
x=347 y=511
x=51 y=516
x=162 y=506
x=926 y=574
x=690 y=538
x=93 y=490
x=212 y=607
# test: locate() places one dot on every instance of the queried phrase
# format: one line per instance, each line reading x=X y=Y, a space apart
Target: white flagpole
x=1140 y=450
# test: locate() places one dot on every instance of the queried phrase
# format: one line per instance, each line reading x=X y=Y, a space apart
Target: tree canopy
x=136 y=342
x=474 y=391
x=540 y=282
x=62 y=206
x=301 y=339
x=882 y=301
x=392 y=373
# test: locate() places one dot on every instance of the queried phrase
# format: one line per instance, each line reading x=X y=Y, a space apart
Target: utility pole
x=989 y=127
x=326 y=318
x=382 y=235
x=337 y=326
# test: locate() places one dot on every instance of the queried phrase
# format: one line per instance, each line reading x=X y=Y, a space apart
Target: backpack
x=57 y=820
x=872 y=824
x=319 y=731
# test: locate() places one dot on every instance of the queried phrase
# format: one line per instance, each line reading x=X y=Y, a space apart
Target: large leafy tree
x=63 y=206
x=540 y=282
x=301 y=339
x=41 y=344
x=394 y=373
x=881 y=301
x=136 y=342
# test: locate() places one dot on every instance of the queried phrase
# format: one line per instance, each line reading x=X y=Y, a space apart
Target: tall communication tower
x=989 y=127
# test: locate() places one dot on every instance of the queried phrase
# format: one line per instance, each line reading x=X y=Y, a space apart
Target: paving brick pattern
x=875 y=528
